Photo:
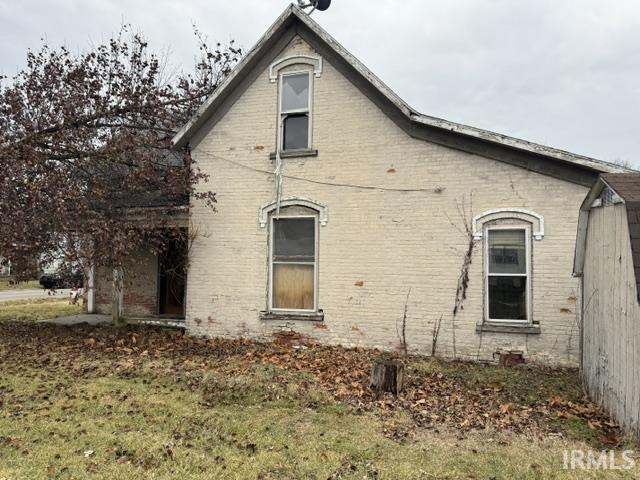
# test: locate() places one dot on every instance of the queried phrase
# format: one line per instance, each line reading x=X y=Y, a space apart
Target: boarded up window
x=293 y=263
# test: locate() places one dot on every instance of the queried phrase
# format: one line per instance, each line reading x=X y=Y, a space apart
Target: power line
x=332 y=184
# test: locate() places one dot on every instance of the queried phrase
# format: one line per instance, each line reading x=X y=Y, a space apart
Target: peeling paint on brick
x=356 y=143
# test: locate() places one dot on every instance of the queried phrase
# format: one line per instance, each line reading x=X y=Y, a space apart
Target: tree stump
x=387 y=376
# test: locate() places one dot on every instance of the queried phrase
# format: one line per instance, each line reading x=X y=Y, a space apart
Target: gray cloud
x=564 y=73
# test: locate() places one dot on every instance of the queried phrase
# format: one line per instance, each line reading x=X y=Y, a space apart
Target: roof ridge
x=411 y=114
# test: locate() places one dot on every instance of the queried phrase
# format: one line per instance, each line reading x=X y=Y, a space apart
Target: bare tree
x=83 y=137
x=434 y=335
x=401 y=330
x=466 y=229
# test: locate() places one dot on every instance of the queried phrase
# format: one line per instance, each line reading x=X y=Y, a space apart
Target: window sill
x=306 y=152
x=293 y=316
x=508 y=328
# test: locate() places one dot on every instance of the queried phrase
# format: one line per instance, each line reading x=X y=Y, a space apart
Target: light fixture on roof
x=314 y=5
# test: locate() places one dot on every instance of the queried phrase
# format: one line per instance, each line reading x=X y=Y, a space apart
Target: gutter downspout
x=278 y=170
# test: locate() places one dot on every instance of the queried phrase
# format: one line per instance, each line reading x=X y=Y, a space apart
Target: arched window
x=506 y=235
x=293 y=254
x=295 y=75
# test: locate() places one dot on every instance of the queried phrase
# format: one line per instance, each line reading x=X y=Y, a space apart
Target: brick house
x=346 y=217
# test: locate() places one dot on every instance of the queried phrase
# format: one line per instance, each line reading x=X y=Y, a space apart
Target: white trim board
x=266 y=209
x=534 y=218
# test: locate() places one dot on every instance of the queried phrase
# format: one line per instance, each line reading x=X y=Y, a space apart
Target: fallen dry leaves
x=431 y=399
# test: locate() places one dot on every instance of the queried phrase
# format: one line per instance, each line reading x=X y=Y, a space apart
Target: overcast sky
x=558 y=72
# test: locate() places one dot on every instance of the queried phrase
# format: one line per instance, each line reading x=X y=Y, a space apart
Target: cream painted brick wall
x=391 y=241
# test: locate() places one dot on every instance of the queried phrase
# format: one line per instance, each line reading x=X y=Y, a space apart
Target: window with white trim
x=295 y=110
x=293 y=264
x=508 y=273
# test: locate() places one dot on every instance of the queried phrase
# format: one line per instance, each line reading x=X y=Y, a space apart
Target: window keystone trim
x=315 y=62
x=266 y=209
x=534 y=218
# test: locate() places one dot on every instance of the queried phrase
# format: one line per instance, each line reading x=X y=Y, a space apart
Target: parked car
x=59 y=280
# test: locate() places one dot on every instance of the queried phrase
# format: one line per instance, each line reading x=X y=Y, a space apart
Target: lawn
x=37 y=309
x=10 y=285
x=141 y=402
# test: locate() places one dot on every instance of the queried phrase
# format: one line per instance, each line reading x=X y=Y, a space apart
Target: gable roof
x=293 y=21
x=627 y=187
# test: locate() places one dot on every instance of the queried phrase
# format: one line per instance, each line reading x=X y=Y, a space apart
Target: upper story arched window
x=295 y=76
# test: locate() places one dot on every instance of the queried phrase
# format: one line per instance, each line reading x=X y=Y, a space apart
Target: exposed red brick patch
x=511 y=358
x=259 y=147
x=320 y=325
x=565 y=311
x=573 y=299
x=291 y=337
x=143 y=304
x=391 y=170
x=359 y=283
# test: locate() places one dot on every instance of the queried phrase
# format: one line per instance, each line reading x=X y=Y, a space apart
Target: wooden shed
x=608 y=260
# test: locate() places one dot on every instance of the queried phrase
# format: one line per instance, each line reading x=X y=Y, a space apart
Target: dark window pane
x=294 y=240
x=508 y=298
x=295 y=92
x=507 y=251
x=296 y=132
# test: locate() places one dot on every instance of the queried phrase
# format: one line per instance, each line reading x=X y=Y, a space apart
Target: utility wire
x=331 y=184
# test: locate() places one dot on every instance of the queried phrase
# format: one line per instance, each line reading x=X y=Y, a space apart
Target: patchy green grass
x=100 y=402
x=10 y=285
x=524 y=384
x=38 y=309
x=144 y=425
x=577 y=428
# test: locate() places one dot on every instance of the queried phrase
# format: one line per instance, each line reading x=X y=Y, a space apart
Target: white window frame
x=315 y=265
x=487 y=274
x=308 y=110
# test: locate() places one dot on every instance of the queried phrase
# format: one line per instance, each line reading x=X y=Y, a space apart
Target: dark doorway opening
x=172 y=279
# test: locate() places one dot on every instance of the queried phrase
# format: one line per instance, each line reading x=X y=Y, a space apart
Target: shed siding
x=611 y=317
x=377 y=244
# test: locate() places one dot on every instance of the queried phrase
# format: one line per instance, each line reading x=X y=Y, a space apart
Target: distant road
x=31 y=293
